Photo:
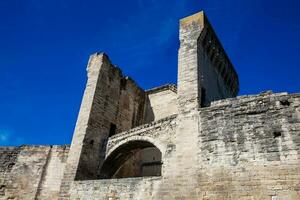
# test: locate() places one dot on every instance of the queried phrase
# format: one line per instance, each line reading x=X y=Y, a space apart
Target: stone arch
x=116 y=145
x=132 y=158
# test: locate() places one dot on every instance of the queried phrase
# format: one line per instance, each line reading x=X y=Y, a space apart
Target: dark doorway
x=133 y=159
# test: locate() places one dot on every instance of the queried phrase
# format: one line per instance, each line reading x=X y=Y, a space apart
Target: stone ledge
x=119 y=180
x=149 y=125
x=171 y=87
x=248 y=98
x=5 y=148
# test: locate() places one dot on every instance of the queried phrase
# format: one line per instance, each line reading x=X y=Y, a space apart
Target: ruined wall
x=162 y=102
x=249 y=148
x=31 y=172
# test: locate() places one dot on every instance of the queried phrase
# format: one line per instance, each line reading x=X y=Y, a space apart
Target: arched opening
x=133 y=159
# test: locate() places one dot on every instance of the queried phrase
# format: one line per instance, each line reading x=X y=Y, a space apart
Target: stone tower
x=196 y=140
x=178 y=142
x=114 y=104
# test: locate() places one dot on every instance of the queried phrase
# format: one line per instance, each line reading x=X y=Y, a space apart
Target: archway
x=133 y=159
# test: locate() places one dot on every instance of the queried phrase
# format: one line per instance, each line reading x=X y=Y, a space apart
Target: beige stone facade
x=193 y=141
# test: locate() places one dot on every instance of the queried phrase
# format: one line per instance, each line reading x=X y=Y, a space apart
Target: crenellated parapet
x=215 y=52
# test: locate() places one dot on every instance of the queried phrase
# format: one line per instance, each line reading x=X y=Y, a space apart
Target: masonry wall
x=112 y=103
x=160 y=133
x=162 y=102
x=31 y=172
x=115 y=104
x=240 y=148
x=212 y=84
x=53 y=173
x=249 y=148
x=205 y=73
x=133 y=166
x=218 y=77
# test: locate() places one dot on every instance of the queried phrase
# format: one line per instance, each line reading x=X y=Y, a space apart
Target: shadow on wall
x=149 y=114
x=133 y=159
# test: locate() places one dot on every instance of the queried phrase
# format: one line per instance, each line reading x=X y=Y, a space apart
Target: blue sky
x=45 y=46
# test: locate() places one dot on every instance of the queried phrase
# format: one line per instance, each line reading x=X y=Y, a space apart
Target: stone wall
x=142 y=188
x=219 y=79
x=112 y=103
x=31 y=172
x=8 y=158
x=212 y=84
x=53 y=173
x=238 y=148
x=205 y=73
x=162 y=103
x=249 y=148
x=245 y=148
x=160 y=133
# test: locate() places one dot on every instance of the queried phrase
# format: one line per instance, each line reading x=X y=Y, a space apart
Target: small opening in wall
x=203 y=97
x=277 y=134
x=123 y=84
x=92 y=142
x=285 y=103
x=112 y=130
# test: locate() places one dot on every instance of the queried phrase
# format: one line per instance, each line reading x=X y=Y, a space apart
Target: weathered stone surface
x=249 y=148
x=31 y=172
x=162 y=103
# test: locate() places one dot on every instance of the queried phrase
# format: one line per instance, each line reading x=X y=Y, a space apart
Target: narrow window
x=112 y=130
x=277 y=134
x=123 y=83
x=203 y=97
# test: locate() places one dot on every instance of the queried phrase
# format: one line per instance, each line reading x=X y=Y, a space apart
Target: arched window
x=132 y=159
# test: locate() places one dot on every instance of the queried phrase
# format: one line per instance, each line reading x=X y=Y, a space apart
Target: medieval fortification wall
x=196 y=140
x=31 y=172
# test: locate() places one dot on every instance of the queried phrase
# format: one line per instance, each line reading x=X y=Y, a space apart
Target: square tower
x=205 y=73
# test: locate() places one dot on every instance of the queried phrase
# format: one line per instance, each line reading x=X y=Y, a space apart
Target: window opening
x=112 y=130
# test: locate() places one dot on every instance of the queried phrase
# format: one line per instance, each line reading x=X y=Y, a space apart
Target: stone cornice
x=171 y=87
x=144 y=126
